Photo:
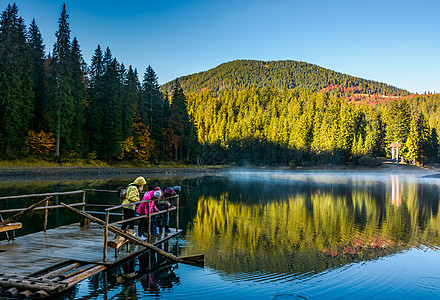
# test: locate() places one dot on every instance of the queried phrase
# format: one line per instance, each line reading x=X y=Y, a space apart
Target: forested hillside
x=244 y=74
x=56 y=107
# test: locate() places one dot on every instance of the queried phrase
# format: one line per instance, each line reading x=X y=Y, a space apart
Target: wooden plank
x=10 y=226
x=75 y=271
x=57 y=272
x=80 y=277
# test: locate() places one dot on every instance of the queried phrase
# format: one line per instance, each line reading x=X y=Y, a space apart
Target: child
x=132 y=196
x=163 y=204
x=145 y=209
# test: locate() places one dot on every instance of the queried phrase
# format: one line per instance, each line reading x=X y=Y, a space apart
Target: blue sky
x=396 y=42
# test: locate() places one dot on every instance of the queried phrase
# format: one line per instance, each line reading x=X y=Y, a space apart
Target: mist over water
x=292 y=235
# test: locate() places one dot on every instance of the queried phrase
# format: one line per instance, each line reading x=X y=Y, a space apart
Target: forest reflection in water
x=308 y=223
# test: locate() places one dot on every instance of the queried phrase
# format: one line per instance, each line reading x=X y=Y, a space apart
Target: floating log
x=24 y=294
x=29 y=283
x=57 y=272
x=134 y=239
x=11 y=292
x=40 y=295
x=10 y=226
x=75 y=271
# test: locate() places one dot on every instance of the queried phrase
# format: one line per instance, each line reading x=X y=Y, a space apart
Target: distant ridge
x=243 y=74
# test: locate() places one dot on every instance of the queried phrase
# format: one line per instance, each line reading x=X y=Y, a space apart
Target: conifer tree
x=62 y=101
x=112 y=117
x=78 y=82
x=95 y=111
x=130 y=100
x=16 y=85
x=35 y=42
x=151 y=103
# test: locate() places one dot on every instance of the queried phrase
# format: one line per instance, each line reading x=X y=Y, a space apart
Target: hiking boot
x=167 y=229
x=160 y=228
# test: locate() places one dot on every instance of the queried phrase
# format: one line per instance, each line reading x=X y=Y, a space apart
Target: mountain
x=243 y=74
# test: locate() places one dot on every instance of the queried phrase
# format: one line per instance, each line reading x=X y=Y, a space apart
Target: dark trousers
x=128 y=214
x=143 y=226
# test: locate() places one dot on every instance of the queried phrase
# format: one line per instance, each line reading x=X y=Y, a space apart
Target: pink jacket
x=143 y=207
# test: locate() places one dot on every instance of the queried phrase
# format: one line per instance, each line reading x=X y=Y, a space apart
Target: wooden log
x=32 y=284
x=40 y=294
x=23 y=212
x=81 y=276
x=10 y=226
x=25 y=294
x=117 y=242
x=75 y=271
x=11 y=292
x=132 y=238
x=57 y=272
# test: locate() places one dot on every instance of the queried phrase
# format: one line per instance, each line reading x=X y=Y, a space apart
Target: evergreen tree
x=35 y=42
x=95 y=111
x=180 y=122
x=78 y=82
x=16 y=85
x=130 y=100
x=112 y=117
x=62 y=101
x=151 y=103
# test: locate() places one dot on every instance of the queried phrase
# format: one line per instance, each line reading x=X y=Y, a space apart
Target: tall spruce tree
x=62 y=102
x=95 y=111
x=180 y=122
x=151 y=104
x=78 y=82
x=112 y=118
x=35 y=42
x=130 y=101
x=16 y=85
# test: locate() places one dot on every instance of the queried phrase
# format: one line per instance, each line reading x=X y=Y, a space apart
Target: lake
x=279 y=235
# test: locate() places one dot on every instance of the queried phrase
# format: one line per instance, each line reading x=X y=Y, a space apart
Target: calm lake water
x=275 y=235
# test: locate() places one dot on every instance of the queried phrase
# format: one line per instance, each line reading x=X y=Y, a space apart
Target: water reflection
x=284 y=235
x=295 y=226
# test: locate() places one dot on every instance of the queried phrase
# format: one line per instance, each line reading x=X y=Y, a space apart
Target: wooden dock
x=47 y=263
x=31 y=257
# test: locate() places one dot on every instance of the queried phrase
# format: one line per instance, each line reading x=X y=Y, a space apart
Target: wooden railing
x=84 y=204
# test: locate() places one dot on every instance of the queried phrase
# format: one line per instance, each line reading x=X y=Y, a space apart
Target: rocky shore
x=63 y=173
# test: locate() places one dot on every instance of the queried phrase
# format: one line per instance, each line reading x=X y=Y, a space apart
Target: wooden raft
x=49 y=284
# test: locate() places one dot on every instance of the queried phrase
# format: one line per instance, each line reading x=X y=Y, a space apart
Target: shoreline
x=66 y=173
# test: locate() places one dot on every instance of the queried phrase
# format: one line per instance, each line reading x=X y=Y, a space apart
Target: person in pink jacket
x=145 y=209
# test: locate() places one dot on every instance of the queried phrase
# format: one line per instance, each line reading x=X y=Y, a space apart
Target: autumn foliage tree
x=40 y=143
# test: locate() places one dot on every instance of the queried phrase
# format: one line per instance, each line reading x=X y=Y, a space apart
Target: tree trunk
x=57 y=151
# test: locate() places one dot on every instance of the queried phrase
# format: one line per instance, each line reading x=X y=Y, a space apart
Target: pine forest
x=282 y=113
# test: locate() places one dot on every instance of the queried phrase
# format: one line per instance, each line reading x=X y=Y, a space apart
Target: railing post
x=149 y=222
x=46 y=211
x=177 y=213
x=84 y=221
x=107 y=216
